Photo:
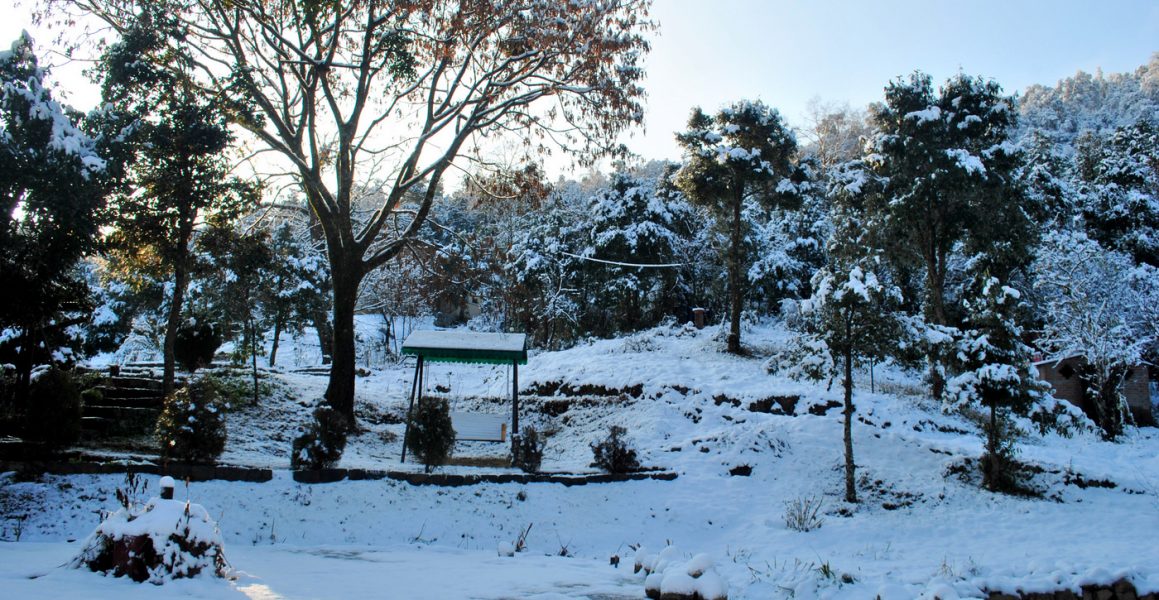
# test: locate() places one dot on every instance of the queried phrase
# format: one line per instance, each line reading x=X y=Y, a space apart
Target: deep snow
x=921 y=529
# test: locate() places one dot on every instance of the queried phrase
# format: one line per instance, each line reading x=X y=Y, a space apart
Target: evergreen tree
x=848 y=318
x=179 y=176
x=53 y=182
x=236 y=274
x=631 y=222
x=1120 y=181
x=992 y=363
x=297 y=286
x=788 y=243
x=743 y=153
x=544 y=301
x=949 y=176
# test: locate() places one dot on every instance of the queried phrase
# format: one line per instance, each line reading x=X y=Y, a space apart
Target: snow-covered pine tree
x=745 y=152
x=950 y=177
x=297 y=286
x=1120 y=182
x=53 y=183
x=631 y=222
x=236 y=268
x=851 y=315
x=992 y=370
x=788 y=243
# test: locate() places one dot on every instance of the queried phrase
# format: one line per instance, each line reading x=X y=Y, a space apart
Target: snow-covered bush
x=431 y=436
x=528 y=451
x=166 y=540
x=191 y=426
x=614 y=454
x=53 y=411
x=320 y=446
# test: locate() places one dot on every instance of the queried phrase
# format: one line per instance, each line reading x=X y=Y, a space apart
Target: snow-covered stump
x=167 y=539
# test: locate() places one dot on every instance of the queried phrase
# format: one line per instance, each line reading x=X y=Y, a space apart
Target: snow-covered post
x=167 y=487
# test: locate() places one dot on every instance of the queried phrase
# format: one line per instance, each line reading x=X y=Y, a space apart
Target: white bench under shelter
x=475 y=348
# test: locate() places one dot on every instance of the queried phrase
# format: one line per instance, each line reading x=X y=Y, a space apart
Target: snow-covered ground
x=922 y=529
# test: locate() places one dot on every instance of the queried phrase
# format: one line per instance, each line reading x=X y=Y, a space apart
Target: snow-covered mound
x=164 y=540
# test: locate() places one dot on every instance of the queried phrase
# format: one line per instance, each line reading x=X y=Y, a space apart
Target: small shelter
x=476 y=348
x=1063 y=377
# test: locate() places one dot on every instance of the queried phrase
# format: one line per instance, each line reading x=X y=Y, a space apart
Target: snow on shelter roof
x=467 y=347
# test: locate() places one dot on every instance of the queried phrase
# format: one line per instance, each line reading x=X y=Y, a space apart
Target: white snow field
x=922 y=529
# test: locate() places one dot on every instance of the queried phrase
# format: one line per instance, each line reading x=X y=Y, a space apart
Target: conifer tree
x=851 y=315
x=1120 y=183
x=743 y=153
x=53 y=183
x=992 y=363
x=950 y=176
x=179 y=177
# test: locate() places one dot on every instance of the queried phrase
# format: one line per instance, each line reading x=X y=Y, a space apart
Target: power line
x=624 y=264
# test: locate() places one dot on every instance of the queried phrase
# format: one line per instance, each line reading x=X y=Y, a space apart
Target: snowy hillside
x=924 y=527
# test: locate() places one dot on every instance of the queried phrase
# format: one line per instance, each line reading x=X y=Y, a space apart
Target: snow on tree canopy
x=27 y=89
x=926 y=115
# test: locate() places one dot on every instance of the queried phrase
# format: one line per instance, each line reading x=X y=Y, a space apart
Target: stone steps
x=129 y=405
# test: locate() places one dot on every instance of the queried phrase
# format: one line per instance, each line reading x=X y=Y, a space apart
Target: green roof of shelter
x=467 y=347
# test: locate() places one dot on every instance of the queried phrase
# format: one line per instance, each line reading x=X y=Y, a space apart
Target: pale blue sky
x=785 y=52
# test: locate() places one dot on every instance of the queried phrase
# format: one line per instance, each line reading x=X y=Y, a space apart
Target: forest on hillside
x=953 y=226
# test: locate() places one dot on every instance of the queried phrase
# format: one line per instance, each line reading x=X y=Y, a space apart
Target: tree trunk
x=277 y=336
x=850 y=467
x=172 y=324
x=340 y=391
x=990 y=465
x=1108 y=400
x=325 y=331
x=253 y=335
x=936 y=313
x=735 y=296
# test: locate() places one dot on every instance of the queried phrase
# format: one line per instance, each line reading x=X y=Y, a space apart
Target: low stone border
x=181 y=471
x=455 y=480
x=1119 y=590
x=175 y=470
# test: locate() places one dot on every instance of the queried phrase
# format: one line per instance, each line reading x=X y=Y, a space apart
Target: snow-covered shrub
x=191 y=426
x=528 y=451
x=53 y=411
x=614 y=454
x=320 y=446
x=167 y=539
x=432 y=436
x=1065 y=419
x=801 y=514
x=195 y=346
x=669 y=578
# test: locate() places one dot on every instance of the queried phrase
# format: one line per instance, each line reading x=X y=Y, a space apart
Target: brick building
x=1062 y=375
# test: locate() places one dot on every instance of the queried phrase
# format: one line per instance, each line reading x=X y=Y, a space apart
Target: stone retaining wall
x=231 y=473
x=1120 y=590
